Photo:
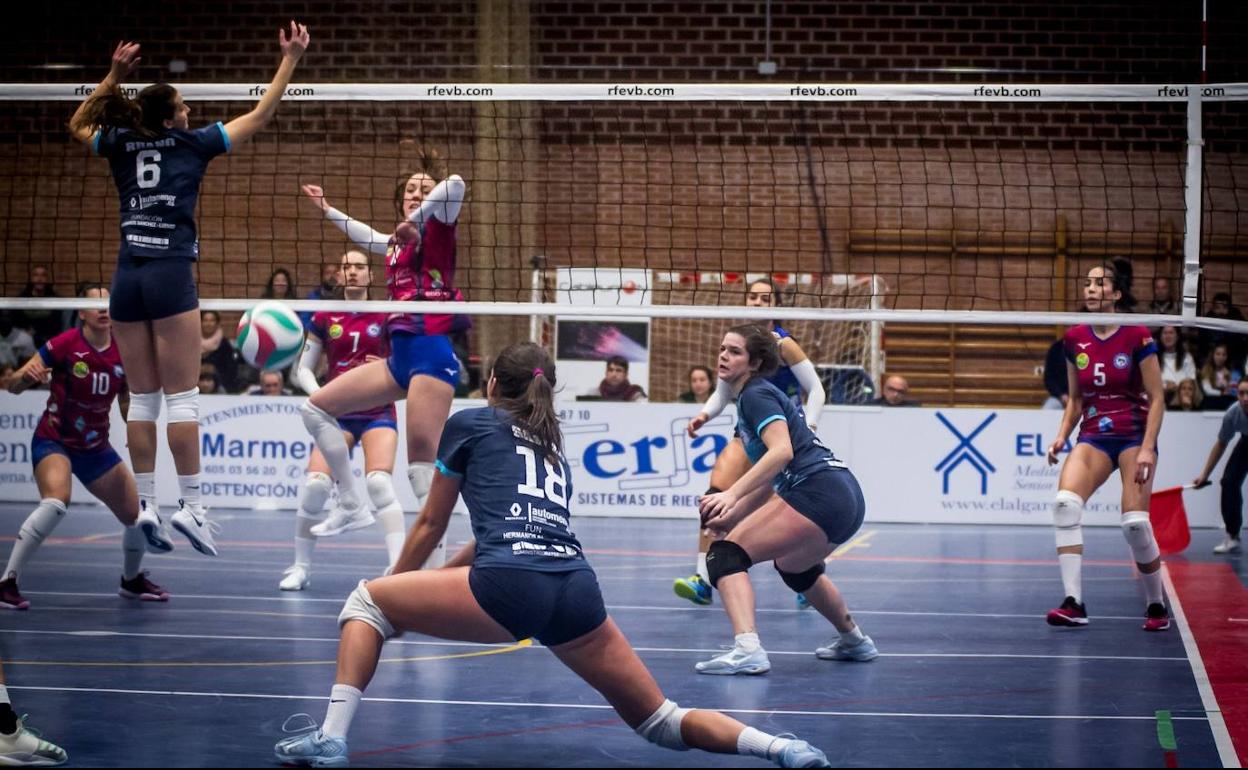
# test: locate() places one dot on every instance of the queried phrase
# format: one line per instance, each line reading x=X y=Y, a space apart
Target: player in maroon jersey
x=84 y=368
x=420 y=266
x=1117 y=396
x=348 y=340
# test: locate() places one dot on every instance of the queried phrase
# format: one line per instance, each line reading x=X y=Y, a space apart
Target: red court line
x=1211 y=595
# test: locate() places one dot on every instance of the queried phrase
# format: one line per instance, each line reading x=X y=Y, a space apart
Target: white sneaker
x=197 y=528
x=296 y=578
x=344 y=520
x=1228 y=545
x=842 y=650
x=24 y=748
x=736 y=661
x=154 y=529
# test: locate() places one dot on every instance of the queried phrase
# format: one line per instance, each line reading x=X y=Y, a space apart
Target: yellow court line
x=857 y=542
x=520 y=645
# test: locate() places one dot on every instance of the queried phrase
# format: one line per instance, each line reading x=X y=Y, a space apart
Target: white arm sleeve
x=720 y=397
x=808 y=378
x=359 y=233
x=305 y=376
x=443 y=202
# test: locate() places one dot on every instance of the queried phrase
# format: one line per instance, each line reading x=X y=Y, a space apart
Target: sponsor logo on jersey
x=1083 y=345
x=118 y=372
x=80 y=425
x=91 y=436
x=1106 y=424
x=1092 y=411
x=374 y=330
x=1081 y=361
x=335 y=331
x=1121 y=361
x=81 y=369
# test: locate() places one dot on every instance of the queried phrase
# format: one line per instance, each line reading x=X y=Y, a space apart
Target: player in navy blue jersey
x=529 y=578
x=157 y=164
x=794 y=506
x=796 y=378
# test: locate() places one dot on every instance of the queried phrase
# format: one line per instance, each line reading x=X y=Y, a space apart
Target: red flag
x=1169 y=519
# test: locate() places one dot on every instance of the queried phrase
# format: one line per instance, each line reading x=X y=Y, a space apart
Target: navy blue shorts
x=152 y=289
x=358 y=426
x=430 y=355
x=552 y=607
x=1113 y=446
x=830 y=498
x=87 y=466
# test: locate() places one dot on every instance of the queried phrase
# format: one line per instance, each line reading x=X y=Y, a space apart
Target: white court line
x=296 y=600
x=1217 y=724
x=535 y=645
x=604 y=707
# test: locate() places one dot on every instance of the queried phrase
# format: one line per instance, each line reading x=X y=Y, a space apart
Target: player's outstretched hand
x=125 y=60
x=294 y=46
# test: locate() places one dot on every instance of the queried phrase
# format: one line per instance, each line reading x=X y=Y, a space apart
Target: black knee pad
x=712 y=490
x=801 y=582
x=724 y=559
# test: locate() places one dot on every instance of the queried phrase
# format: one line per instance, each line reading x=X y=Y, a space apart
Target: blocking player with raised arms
x=347 y=340
x=420 y=266
x=85 y=374
x=157 y=164
x=529 y=578
x=1117 y=397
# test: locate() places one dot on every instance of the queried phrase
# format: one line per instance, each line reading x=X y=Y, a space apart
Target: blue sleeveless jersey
x=761 y=403
x=517 y=499
x=158 y=185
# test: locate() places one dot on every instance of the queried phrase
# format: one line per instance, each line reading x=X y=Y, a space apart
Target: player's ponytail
x=525 y=374
x=145 y=114
x=1123 y=276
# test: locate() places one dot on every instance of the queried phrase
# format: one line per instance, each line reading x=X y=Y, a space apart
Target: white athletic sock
x=392 y=527
x=703 y=572
x=1071 y=565
x=1152 y=586
x=305 y=541
x=854 y=636
x=4 y=695
x=188 y=488
x=756 y=743
x=37 y=527
x=343 y=701
x=328 y=437
x=133 y=546
x=146 y=482
x=747 y=642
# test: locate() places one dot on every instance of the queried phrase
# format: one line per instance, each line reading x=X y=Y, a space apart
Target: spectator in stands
x=1163 y=298
x=215 y=349
x=1217 y=378
x=209 y=382
x=43 y=325
x=1055 y=381
x=701 y=385
x=279 y=286
x=1186 y=397
x=328 y=287
x=271 y=384
x=1236 y=344
x=19 y=341
x=615 y=386
x=1234 y=421
x=7 y=357
x=1176 y=363
x=894 y=392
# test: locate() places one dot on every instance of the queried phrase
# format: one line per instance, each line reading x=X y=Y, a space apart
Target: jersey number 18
x=555 y=488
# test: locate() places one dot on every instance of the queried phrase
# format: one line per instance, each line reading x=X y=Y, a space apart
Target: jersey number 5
x=555 y=488
x=147 y=170
x=1098 y=374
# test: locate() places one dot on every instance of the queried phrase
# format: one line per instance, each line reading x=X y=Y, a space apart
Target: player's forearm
x=421 y=541
x=764 y=471
x=1156 y=411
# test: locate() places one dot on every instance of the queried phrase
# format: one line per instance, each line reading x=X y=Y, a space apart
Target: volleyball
x=270 y=336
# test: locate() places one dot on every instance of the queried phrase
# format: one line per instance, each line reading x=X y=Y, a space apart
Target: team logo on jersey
x=1081 y=361
x=435 y=279
x=52 y=408
x=1121 y=361
x=1105 y=424
x=80 y=425
x=81 y=369
x=92 y=436
x=335 y=331
x=374 y=330
x=118 y=372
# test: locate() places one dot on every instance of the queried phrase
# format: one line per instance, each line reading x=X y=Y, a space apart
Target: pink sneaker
x=1071 y=614
x=1156 y=618
x=10 y=597
x=142 y=589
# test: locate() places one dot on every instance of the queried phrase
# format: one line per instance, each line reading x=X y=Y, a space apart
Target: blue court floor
x=969 y=673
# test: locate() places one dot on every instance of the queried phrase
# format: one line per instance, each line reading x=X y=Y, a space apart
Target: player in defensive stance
x=19 y=747
x=158 y=164
x=503 y=457
x=420 y=266
x=85 y=370
x=1117 y=394
x=795 y=375
x=794 y=506
x=348 y=340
